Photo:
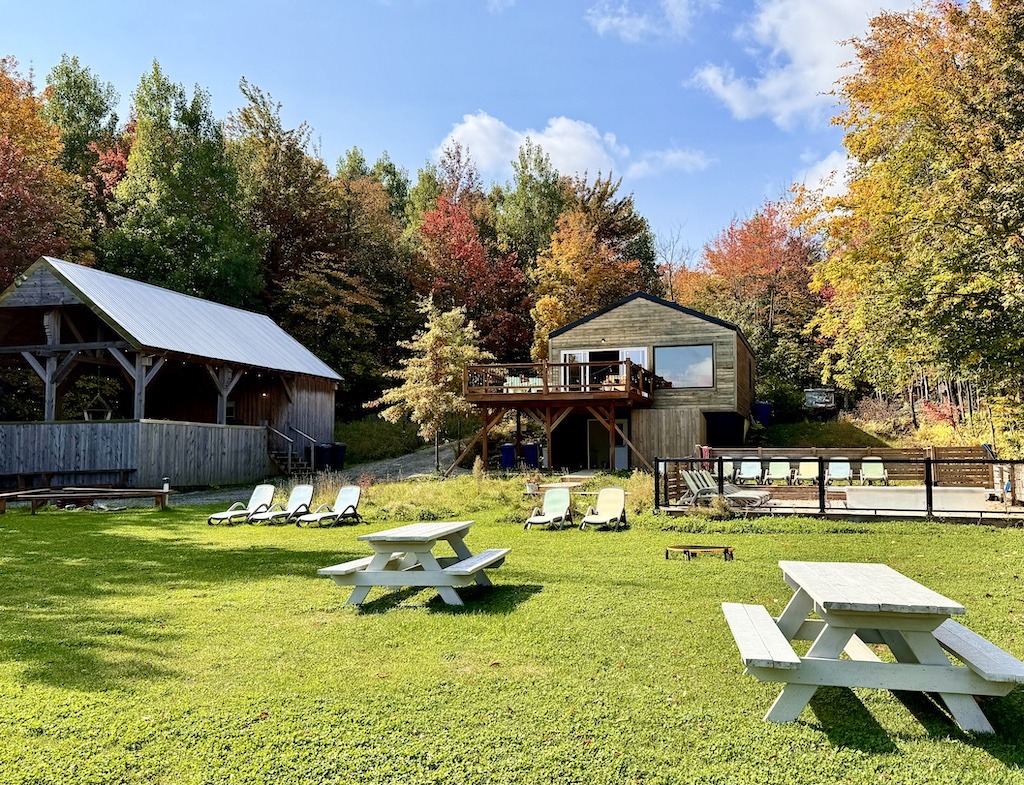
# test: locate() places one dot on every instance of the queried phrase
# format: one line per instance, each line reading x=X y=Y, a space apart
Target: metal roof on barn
x=154 y=318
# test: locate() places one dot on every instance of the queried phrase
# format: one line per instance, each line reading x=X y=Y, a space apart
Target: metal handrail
x=288 y=439
x=312 y=445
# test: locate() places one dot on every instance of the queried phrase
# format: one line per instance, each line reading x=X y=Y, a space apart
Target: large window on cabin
x=686 y=366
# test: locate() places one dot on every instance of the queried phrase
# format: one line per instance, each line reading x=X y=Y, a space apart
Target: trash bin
x=319 y=456
x=508 y=456
x=762 y=411
x=338 y=456
x=531 y=452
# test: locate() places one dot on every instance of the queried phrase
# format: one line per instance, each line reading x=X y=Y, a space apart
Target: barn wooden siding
x=86 y=452
x=263 y=398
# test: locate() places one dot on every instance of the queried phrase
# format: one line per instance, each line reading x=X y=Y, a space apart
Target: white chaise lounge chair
x=345 y=506
x=554 y=508
x=298 y=503
x=610 y=509
x=262 y=496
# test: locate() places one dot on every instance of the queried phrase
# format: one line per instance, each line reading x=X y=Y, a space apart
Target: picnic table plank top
x=418 y=532
x=866 y=588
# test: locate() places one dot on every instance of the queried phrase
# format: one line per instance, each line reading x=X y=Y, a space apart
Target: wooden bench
x=758 y=637
x=980 y=655
x=349 y=567
x=494 y=557
x=689 y=551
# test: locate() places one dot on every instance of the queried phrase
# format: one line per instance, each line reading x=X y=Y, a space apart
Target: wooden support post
x=547 y=437
x=486 y=429
x=50 y=395
x=488 y=424
x=611 y=438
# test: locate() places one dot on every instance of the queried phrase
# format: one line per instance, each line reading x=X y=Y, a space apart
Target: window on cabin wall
x=599 y=366
x=686 y=367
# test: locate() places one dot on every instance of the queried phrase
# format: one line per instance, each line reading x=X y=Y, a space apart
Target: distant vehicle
x=820 y=402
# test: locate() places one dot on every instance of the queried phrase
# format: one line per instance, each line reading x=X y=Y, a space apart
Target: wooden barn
x=640 y=379
x=203 y=393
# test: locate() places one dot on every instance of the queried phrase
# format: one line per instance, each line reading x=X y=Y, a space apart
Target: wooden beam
x=117 y=354
x=50 y=399
x=625 y=440
x=488 y=424
x=155 y=370
x=288 y=392
x=65 y=367
x=35 y=365
x=84 y=346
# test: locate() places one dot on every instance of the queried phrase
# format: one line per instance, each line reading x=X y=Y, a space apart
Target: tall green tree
x=81 y=107
x=179 y=220
x=527 y=213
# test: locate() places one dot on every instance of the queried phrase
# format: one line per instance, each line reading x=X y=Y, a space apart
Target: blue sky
x=704 y=108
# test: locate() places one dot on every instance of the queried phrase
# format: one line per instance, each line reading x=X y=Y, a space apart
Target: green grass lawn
x=813 y=433
x=148 y=647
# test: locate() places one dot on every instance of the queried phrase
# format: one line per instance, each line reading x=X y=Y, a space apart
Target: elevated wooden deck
x=577 y=385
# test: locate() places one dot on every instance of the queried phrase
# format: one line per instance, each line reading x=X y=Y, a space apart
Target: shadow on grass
x=498 y=600
x=847 y=722
x=83 y=602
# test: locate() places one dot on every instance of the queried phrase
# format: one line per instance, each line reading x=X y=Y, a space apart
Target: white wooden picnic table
x=861 y=604
x=404 y=557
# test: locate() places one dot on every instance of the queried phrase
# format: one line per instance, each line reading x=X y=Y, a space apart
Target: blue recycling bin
x=762 y=411
x=508 y=456
x=531 y=454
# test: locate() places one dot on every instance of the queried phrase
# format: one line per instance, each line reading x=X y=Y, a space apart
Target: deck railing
x=974 y=488
x=617 y=377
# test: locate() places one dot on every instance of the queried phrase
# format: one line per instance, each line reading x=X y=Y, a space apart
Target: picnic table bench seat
x=493 y=557
x=758 y=637
x=355 y=565
x=980 y=655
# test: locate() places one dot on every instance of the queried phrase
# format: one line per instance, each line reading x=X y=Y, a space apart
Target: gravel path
x=420 y=462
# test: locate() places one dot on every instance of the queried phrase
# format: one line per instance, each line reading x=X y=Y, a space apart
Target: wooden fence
x=901 y=463
x=138 y=453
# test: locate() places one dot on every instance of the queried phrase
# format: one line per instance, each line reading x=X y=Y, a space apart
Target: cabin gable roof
x=657 y=301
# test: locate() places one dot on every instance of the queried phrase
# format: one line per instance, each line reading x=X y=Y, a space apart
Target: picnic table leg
x=379 y=561
x=800 y=605
x=794 y=697
x=965 y=710
x=463 y=552
x=448 y=593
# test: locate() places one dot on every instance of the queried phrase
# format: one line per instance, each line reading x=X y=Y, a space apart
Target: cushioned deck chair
x=806 y=471
x=704 y=487
x=746 y=496
x=610 y=509
x=750 y=469
x=554 y=509
x=778 y=471
x=262 y=496
x=873 y=470
x=839 y=470
x=298 y=503
x=727 y=468
x=345 y=506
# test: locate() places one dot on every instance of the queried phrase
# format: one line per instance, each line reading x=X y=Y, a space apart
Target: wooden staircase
x=299 y=465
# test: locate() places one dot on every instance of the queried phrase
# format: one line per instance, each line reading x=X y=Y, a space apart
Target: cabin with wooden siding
x=642 y=378
x=206 y=391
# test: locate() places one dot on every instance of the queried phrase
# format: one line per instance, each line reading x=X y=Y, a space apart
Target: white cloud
x=497 y=6
x=653 y=19
x=574 y=146
x=673 y=159
x=799 y=47
x=828 y=173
